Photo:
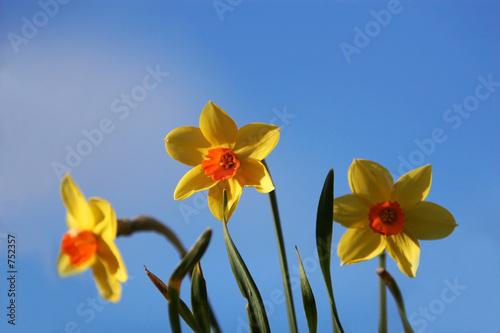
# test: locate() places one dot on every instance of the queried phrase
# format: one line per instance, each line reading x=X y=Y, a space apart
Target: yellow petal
x=187 y=145
x=404 y=248
x=253 y=173
x=256 y=141
x=359 y=244
x=350 y=211
x=217 y=127
x=429 y=221
x=109 y=287
x=64 y=267
x=413 y=187
x=215 y=197
x=111 y=257
x=370 y=181
x=79 y=215
x=104 y=217
x=193 y=181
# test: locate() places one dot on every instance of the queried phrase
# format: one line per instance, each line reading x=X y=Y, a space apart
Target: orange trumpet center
x=79 y=245
x=387 y=218
x=221 y=164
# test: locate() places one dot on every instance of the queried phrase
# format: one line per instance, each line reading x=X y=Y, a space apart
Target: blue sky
x=400 y=83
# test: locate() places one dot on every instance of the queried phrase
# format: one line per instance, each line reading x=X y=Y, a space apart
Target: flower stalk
x=127 y=226
x=292 y=321
x=382 y=323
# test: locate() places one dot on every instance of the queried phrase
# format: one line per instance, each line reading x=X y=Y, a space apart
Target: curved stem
x=382 y=323
x=292 y=321
x=127 y=226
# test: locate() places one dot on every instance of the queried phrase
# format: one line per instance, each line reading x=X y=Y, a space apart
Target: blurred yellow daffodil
x=223 y=156
x=89 y=243
x=382 y=215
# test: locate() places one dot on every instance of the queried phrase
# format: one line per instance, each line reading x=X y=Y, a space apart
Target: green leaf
x=324 y=228
x=398 y=297
x=173 y=309
x=255 y=309
x=307 y=298
x=183 y=308
x=199 y=299
x=191 y=258
x=186 y=265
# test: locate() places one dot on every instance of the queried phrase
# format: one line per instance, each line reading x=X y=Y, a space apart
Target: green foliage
x=186 y=265
x=255 y=309
x=324 y=229
x=199 y=299
x=308 y=298
x=183 y=308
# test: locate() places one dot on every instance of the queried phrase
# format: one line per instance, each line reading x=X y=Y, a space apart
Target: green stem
x=292 y=321
x=382 y=323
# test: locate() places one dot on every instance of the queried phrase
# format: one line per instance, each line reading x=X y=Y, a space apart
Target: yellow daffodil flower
x=223 y=156
x=382 y=215
x=89 y=243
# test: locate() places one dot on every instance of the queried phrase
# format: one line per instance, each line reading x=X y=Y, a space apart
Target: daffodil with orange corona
x=89 y=243
x=223 y=157
x=383 y=215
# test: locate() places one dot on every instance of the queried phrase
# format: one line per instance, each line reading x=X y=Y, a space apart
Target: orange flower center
x=79 y=245
x=387 y=218
x=221 y=164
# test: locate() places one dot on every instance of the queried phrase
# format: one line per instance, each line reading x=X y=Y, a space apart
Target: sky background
x=339 y=83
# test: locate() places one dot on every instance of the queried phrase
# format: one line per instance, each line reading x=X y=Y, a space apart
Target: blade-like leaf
x=307 y=298
x=398 y=297
x=199 y=299
x=191 y=258
x=324 y=228
x=255 y=309
x=174 y=309
x=186 y=265
x=162 y=287
x=183 y=308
